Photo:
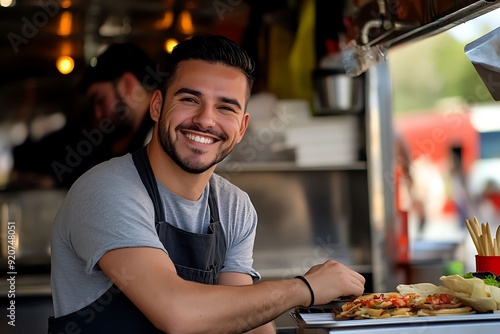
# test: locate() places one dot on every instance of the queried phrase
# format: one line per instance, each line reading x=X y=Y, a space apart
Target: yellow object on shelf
x=302 y=58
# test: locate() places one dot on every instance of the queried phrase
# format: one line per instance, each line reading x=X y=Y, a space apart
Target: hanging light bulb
x=7 y=3
x=65 y=64
x=66 y=3
x=170 y=44
x=186 y=22
x=65 y=24
x=166 y=21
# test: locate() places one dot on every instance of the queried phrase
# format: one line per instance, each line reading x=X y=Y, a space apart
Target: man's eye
x=98 y=101
x=228 y=108
x=188 y=99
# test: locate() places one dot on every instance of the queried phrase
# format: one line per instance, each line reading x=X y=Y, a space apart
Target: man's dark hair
x=214 y=49
x=116 y=60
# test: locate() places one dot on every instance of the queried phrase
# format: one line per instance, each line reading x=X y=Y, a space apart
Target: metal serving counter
x=323 y=321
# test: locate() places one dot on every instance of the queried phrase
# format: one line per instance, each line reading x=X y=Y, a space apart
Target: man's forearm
x=171 y=303
x=234 y=311
x=268 y=328
x=240 y=279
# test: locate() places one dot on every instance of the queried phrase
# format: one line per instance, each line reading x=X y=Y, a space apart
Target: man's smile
x=199 y=139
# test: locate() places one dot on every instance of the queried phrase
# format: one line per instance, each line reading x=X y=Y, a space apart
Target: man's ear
x=127 y=83
x=155 y=105
x=243 y=126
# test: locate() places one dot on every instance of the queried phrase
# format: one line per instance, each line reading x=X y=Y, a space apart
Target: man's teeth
x=200 y=139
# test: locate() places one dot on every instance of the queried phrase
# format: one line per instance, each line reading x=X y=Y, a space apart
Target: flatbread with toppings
x=383 y=305
x=401 y=305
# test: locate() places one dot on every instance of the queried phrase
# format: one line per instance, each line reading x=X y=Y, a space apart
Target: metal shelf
x=284 y=166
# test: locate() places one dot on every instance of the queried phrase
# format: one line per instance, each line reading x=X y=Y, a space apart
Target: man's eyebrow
x=199 y=94
x=230 y=101
x=188 y=91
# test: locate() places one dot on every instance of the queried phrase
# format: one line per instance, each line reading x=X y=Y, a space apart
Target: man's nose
x=205 y=116
x=98 y=112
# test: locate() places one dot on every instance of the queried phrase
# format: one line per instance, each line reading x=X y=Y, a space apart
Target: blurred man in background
x=118 y=88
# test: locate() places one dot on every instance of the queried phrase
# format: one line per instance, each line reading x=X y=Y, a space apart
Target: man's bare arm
x=148 y=278
x=233 y=278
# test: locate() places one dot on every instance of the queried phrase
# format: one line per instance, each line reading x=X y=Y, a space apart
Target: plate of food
x=460 y=298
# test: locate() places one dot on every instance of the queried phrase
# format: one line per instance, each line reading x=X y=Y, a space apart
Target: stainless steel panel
x=380 y=158
x=32 y=213
x=306 y=217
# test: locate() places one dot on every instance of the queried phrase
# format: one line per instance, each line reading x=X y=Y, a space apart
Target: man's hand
x=332 y=280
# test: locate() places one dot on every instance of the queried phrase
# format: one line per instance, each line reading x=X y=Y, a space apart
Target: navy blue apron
x=197 y=257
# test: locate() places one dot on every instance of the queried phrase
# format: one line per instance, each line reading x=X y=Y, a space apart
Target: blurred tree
x=428 y=71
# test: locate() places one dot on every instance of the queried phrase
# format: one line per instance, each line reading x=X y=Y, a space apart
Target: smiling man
x=155 y=241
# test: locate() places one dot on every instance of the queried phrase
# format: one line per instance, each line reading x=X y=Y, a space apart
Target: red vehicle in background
x=454 y=161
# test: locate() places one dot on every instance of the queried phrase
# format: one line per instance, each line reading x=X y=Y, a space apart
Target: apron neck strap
x=141 y=162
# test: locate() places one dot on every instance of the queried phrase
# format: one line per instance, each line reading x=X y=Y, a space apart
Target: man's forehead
x=199 y=70
x=98 y=88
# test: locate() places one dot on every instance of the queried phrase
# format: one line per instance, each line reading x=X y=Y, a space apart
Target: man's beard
x=188 y=165
x=120 y=119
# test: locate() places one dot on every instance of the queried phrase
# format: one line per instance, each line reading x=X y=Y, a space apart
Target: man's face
x=107 y=103
x=203 y=117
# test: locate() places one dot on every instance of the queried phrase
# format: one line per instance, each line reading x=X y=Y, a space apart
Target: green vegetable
x=489 y=279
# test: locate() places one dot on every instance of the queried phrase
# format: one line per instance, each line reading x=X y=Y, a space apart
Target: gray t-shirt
x=109 y=208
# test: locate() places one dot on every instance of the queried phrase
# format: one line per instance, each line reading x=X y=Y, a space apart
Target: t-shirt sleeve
x=108 y=215
x=241 y=237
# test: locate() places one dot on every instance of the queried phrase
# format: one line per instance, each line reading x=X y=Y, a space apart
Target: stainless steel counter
x=28 y=285
x=409 y=328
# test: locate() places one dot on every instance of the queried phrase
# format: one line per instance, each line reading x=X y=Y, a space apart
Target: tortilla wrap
x=423 y=289
x=460 y=289
x=487 y=297
x=429 y=289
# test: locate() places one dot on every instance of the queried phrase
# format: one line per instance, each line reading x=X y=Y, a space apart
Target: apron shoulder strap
x=143 y=166
x=212 y=204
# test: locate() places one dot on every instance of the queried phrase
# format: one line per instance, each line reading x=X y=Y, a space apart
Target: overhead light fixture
x=170 y=44
x=66 y=3
x=186 y=22
x=65 y=24
x=7 y=3
x=115 y=26
x=65 y=64
x=167 y=20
